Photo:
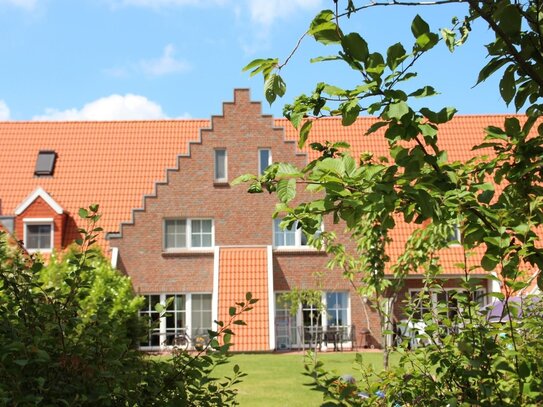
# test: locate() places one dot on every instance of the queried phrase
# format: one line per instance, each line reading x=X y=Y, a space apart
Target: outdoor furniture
x=334 y=335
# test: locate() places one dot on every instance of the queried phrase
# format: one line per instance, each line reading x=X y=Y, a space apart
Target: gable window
x=188 y=233
x=264 y=159
x=221 y=162
x=38 y=234
x=45 y=163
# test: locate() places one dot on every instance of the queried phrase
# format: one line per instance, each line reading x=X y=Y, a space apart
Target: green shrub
x=70 y=330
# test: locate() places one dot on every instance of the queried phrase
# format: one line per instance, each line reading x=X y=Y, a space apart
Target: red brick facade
x=242 y=222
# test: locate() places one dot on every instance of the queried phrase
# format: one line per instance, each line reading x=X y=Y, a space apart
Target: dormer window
x=38 y=234
x=45 y=163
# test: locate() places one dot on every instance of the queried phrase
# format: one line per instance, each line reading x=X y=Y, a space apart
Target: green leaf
x=287 y=170
x=83 y=213
x=397 y=111
x=510 y=20
x=489 y=262
x=493 y=65
x=395 y=55
x=376 y=126
x=349 y=112
x=355 y=46
x=232 y=311
x=424 y=92
x=419 y=27
x=304 y=133
x=286 y=190
x=508 y=86
x=274 y=86
x=427 y=41
x=375 y=64
x=443 y=116
x=332 y=165
x=324 y=29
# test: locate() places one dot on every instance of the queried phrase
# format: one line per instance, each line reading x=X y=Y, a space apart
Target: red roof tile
x=242 y=270
x=113 y=164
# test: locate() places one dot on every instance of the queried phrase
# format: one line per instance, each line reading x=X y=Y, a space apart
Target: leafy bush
x=69 y=333
x=467 y=360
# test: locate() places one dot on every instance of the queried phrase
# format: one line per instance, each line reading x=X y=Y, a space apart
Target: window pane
x=264 y=159
x=201 y=313
x=206 y=225
x=38 y=236
x=201 y=235
x=220 y=164
x=175 y=233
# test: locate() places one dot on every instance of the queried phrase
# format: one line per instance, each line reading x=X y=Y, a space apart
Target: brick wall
x=40 y=209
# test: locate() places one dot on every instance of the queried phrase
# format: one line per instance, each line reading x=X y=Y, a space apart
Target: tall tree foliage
x=482 y=363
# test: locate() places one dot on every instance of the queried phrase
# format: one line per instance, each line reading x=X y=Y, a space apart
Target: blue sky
x=148 y=59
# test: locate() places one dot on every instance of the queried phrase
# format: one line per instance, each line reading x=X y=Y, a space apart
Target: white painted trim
x=215 y=292
x=37 y=220
x=114 y=256
x=271 y=297
x=39 y=192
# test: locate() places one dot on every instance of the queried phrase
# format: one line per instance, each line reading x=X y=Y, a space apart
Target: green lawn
x=278 y=380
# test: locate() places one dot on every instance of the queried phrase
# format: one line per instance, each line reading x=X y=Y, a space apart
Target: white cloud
x=114 y=107
x=5 y=113
x=166 y=64
x=25 y=4
x=265 y=12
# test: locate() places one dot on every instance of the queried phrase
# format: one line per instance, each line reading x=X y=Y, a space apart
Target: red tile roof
x=113 y=164
x=242 y=270
x=116 y=163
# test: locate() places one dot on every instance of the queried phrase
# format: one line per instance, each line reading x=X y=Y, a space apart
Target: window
x=295 y=330
x=38 y=234
x=45 y=163
x=221 y=162
x=264 y=159
x=201 y=314
x=185 y=313
x=151 y=315
x=188 y=233
x=292 y=237
x=337 y=308
x=455 y=237
x=8 y=223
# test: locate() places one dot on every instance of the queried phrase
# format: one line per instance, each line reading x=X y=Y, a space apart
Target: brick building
x=178 y=229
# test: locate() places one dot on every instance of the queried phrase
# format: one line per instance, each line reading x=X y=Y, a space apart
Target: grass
x=278 y=380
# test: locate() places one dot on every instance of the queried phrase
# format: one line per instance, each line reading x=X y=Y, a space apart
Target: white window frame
x=216 y=166
x=263 y=165
x=433 y=293
x=188 y=317
x=298 y=318
x=188 y=235
x=34 y=222
x=298 y=237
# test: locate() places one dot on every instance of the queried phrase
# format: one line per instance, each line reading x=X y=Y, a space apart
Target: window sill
x=298 y=250
x=221 y=184
x=188 y=252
